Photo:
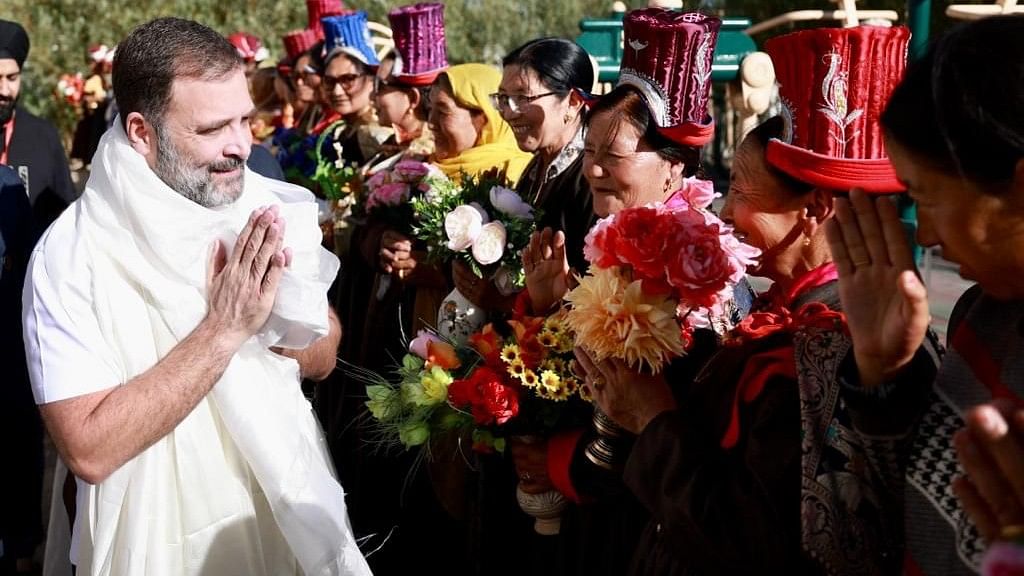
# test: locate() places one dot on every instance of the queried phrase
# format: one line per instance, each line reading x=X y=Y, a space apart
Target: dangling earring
x=807 y=240
x=567 y=118
x=668 y=184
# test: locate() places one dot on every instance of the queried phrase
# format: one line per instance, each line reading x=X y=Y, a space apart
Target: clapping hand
x=991 y=450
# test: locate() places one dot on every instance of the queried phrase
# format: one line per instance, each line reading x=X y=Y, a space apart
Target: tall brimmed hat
x=297 y=42
x=317 y=10
x=834 y=84
x=667 y=56
x=418 y=32
x=348 y=34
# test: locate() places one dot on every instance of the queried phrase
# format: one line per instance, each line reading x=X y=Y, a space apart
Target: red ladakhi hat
x=249 y=47
x=667 y=57
x=297 y=42
x=418 y=32
x=834 y=84
x=317 y=10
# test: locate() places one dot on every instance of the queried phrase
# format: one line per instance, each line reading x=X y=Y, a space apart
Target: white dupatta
x=243 y=485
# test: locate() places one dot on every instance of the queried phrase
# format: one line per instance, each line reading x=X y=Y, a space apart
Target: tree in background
x=477 y=30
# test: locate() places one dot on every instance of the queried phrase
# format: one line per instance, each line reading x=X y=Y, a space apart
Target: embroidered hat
x=667 y=57
x=249 y=47
x=297 y=42
x=834 y=84
x=317 y=10
x=348 y=34
x=418 y=32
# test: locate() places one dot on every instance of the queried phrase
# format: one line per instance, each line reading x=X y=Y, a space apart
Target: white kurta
x=243 y=485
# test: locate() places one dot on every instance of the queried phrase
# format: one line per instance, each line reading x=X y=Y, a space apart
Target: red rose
x=640 y=240
x=698 y=267
x=462 y=393
x=500 y=403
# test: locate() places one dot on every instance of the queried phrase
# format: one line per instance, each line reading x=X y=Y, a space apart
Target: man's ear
x=141 y=134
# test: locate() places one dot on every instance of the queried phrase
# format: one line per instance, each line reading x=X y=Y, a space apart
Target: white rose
x=508 y=202
x=462 y=226
x=489 y=245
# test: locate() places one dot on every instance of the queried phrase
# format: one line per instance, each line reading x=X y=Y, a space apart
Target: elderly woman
x=469 y=134
x=470 y=137
x=636 y=151
x=955 y=134
x=774 y=457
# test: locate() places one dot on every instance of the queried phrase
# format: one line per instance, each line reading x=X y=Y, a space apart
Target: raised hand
x=547 y=269
x=885 y=303
x=241 y=287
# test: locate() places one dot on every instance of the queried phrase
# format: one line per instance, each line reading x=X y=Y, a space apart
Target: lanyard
x=8 y=133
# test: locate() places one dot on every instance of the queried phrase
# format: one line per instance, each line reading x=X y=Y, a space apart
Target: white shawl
x=243 y=485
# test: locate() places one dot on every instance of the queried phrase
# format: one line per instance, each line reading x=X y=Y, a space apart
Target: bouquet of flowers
x=388 y=192
x=657 y=273
x=481 y=221
x=71 y=88
x=411 y=408
x=496 y=386
x=315 y=161
x=524 y=385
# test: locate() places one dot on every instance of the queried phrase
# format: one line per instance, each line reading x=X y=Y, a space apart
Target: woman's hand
x=630 y=398
x=991 y=450
x=547 y=269
x=885 y=303
x=531 y=461
x=395 y=254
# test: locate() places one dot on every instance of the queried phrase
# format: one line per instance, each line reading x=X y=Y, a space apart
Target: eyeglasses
x=307 y=74
x=515 y=103
x=382 y=83
x=347 y=81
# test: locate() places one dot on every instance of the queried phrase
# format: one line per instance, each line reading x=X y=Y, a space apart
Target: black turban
x=13 y=42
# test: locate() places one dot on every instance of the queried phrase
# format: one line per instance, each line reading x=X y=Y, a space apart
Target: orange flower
x=442 y=355
x=613 y=318
x=487 y=344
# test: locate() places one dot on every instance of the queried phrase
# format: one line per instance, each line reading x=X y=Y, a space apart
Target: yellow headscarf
x=472 y=85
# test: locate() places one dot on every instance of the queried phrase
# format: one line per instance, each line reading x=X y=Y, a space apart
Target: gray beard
x=196 y=184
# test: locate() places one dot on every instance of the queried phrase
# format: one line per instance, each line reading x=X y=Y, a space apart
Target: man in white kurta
x=169 y=316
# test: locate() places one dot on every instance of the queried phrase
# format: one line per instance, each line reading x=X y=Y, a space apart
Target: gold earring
x=668 y=184
x=567 y=118
x=807 y=240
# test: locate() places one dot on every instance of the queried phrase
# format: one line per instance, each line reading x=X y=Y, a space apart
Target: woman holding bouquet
x=956 y=136
x=775 y=457
x=639 y=149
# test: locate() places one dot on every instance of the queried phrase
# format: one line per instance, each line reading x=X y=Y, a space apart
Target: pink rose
x=598 y=246
x=698 y=193
x=419 y=344
x=697 y=264
x=411 y=170
x=391 y=194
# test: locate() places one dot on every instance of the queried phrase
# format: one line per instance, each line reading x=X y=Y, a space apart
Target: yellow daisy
x=561 y=394
x=550 y=381
x=516 y=368
x=529 y=379
x=510 y=353
x=547 y=339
